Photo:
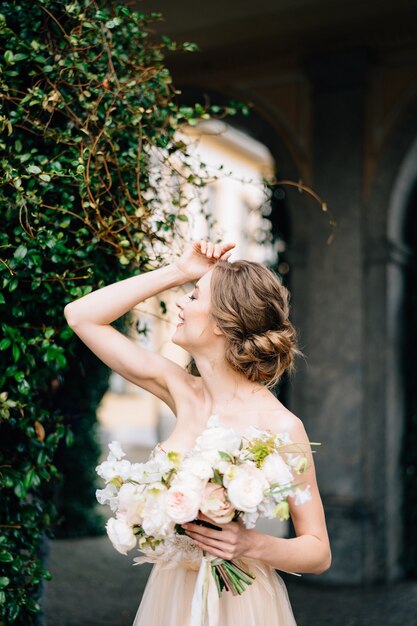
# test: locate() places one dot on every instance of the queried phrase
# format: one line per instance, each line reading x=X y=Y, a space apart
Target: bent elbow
x=325 y=564
x=69 y=315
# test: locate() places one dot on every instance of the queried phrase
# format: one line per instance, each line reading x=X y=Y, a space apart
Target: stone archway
x=387 y=257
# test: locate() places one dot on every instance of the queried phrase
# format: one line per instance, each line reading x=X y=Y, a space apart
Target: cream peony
x=215 y=505
x=156 y=521
x=246 y=490
x=120 y=534
x=275 y=470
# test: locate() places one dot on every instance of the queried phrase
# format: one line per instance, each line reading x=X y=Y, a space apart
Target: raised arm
x=90 y=318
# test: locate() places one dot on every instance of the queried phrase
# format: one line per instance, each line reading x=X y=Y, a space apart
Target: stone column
x=328 y=394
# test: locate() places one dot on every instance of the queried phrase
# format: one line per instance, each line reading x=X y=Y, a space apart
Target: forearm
x=304 y=554
x=108 y=303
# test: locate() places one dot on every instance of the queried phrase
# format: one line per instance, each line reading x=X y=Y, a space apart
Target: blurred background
x=334 y=92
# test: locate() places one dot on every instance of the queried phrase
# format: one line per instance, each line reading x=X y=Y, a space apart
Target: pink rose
x=215 y=505
x=182 y=503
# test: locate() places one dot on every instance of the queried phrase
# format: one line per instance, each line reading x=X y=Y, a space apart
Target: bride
x=234 y=323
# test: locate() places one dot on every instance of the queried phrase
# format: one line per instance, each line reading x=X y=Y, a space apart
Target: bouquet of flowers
x=225 y=476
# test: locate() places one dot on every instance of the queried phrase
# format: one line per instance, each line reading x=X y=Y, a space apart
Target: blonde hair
x=250 y=306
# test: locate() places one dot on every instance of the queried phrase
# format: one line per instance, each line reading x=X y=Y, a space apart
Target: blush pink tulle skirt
x=167 y=599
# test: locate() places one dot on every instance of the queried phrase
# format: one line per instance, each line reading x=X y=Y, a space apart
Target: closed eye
x=192 y=297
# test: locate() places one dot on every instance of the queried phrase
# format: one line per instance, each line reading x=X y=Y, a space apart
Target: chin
x=175 y=339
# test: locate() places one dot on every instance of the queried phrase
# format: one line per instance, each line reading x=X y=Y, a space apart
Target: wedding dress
x=169 y=598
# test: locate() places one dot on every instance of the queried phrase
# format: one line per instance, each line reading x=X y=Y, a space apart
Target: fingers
x=201 y=531
x=216 y=251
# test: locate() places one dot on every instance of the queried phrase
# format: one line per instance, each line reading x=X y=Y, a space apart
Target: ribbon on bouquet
x=205 y=601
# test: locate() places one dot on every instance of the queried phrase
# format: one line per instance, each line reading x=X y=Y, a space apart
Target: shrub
x=88 y=140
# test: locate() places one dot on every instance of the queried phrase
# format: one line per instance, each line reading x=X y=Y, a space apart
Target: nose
x=177 y=303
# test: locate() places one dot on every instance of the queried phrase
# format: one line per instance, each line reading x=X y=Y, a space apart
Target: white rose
x=275 y=470
x=108 y=470
x=246 y=490
x=183 y=503
x=108 y=495
x=120 y=534
x=217 y=437
x=116 y=452
x=198 y=466
x=156 y=521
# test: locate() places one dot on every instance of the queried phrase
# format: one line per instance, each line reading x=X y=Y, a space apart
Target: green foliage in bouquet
x=88 y=119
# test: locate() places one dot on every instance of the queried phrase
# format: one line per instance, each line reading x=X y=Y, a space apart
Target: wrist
x=181 y=273
x=254 y=544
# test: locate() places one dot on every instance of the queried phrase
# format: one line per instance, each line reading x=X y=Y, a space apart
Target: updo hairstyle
x=250 y=306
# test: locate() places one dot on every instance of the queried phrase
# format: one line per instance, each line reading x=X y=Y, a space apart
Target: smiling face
x=195 y=327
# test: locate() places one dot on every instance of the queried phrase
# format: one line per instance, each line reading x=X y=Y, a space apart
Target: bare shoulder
x=281 y=419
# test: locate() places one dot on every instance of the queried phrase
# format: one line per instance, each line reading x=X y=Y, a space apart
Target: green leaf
x=20 y=252
x=45 y=177
x=6 y=557
x=16 y=352
x=2 y=301
x=5 y=343
x=20 y=491
x=34 y=169
x=69 y=438
x=30 y=478
x=4 y=581
x=8 y=56
x=225 y=456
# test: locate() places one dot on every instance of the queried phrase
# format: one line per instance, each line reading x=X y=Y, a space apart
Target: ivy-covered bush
x=88 y=146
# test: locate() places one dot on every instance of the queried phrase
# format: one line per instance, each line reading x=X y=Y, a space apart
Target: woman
x=235 y=325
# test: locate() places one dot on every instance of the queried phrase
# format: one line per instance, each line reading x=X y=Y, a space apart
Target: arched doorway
x=390 y=328
x=402 y=230
x=410 y=389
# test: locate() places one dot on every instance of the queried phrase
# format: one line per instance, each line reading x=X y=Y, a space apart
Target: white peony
x=183 y=503
x=246 y=490
x=218 y=437
x=116 y=452
x=156 y=521
x=275 y=470
x=120 y=534
x=108 y=470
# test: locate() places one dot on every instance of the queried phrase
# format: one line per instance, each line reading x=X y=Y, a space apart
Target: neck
x=223 y=387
